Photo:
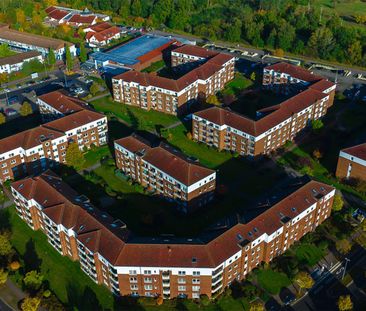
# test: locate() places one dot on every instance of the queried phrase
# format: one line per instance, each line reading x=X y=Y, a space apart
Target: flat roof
x=129 y=52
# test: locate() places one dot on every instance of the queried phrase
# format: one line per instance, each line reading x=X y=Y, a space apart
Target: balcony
x=216 y=280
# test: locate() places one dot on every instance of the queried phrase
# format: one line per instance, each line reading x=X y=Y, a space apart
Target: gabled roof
x=166 y=159
x=195 y=51
x=57 y=14
x=62 y=102
x=82 y=19
x=294 y=71
x=18 y=58
x=358 y=151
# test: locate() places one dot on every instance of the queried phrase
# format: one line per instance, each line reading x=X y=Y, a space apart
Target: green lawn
x=237 y=85
x=343 y=7
x=308 y=253
x=272 y=281
x=137 y=118
x=154 y=67
x=209 y=157
x=94 y=156
x=64 y=276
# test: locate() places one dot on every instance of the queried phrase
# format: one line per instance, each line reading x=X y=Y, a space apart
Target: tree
x=343 y=246
x=20 y=16
x=94 y=88
x=304 y=280
x=338 y=203
x=317 y=124
x=317 y=154
x=212 y=100
x=2 y=118
x=360 y=19
x=3 y=276
x=5 y=246
x=74 y=156
x=355 y=52
x=14 y=265
x=345 y=303
x=33 y=280
x=25 y=109
x=69 y=60
x=83 y=55
x=321 y=42
x=279 y=53
x=30 y=304
x=256 y=306
x=252 y=76
x=51 y=58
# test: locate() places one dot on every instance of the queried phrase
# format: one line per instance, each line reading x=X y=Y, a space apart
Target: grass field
x=237 y=85
x=154 y=67
x=272 y=281
x=308 y=254
x=65 y=277
x=137 y=118
x=343 y=7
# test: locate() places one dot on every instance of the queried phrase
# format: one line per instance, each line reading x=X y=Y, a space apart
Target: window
x=195 y=288
x=196 y=273
x=181 y=288
x=148 y=287
x=147 y=280
x=133 y=272
x=181 y=281
x=147 y=271
x=181 y=273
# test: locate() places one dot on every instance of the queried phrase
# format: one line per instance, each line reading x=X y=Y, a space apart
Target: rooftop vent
x=194 y=259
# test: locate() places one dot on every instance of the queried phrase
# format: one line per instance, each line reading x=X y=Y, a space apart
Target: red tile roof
x=50 y=9
x=166 y=159
x=202 y=72
x=104 y=34
x=116 y=246
x=278 y=114
x=57 y=14
x=195 y=51
x=82 y=19
x=99 y=27
x=62 y=102
x=294 y=71
x=358 y=151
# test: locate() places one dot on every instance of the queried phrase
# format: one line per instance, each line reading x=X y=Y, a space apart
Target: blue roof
x=128 y=53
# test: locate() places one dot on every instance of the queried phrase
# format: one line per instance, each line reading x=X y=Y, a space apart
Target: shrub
x=205 y=301
x=15 y=265
x=159 y=301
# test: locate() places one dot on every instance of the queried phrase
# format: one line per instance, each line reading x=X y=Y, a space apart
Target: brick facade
x=352 y=163
x=110 y=255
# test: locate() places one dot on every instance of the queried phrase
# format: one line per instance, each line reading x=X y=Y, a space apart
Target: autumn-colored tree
x=304 y=280
x=279 y=53
x=94 y=88
x=317 y=154
x=345 y=303
x=14 y=265
x=212 y=100
x=5 y=246
x=36 y=18
x=338 y=203
x=189 y=135
x=159 y=301
x=25 y=109
x=256 y=306
x=3 y=276
x=360 y=19
x=355 y=52
x=33 y=280
x=3 y=77
x=30 y=304
x=2 y=118
x=343 y=246
x=20 y=16
x=74 y=156
x=316 y=125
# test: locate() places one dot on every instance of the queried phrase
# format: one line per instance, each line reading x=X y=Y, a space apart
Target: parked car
x=10 y=112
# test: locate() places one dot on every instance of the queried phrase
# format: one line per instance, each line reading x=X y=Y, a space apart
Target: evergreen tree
x=69 y=60
x=51 y=57
x=83 y=55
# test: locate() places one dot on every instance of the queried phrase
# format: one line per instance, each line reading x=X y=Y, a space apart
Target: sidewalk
x=10 y=295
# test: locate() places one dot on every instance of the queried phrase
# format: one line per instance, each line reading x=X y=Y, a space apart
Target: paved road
x=328 y=288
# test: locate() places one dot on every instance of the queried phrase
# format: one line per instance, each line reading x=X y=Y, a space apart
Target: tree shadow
x=31 y=259
x=5 y=224
x=82 y=300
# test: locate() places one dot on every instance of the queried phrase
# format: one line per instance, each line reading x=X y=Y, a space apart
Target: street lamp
x=345 y=267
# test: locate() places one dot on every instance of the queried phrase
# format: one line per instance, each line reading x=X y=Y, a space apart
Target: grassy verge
x=272 y=281
x=137 y=118
x=154 y=67
x=308 y=253
x=95 y=155
x=237 y=85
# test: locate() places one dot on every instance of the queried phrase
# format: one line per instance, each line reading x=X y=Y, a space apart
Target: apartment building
x=228 y=130
x=37 y=149
x=57 y=104
x=352 y=163
x=165 y=171
x=24 y=41
x=149 y=91
x=131 y=265
x=15 y=62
